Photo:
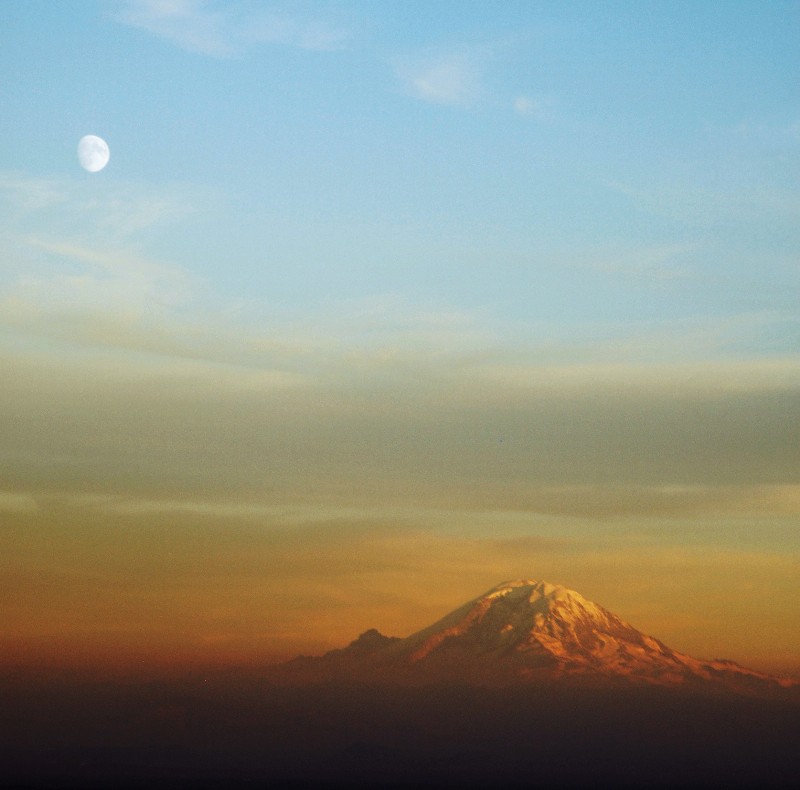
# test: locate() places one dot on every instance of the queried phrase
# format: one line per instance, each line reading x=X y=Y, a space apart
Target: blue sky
x=441 y=292
x=535 y=164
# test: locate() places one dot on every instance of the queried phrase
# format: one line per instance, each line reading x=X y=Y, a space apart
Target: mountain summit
x=524 y=632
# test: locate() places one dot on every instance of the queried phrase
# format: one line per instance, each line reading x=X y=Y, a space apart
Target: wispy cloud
x=452 y=78
x=74 y=274
x=660 y=263
x=109 y=281
x=764 y=134
x=705 y=207
x=72 y=267
x=15 y=502
x=536 y=108
x=69 y=210
x=462 y=75
x=23 y=193
x=229 y=29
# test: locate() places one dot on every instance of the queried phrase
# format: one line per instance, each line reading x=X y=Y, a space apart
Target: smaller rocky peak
x=370 y=641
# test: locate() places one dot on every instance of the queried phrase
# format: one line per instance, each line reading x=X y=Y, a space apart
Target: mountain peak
x=526 y=631
x=544 y=620
x=370 y=640
x=535 y=589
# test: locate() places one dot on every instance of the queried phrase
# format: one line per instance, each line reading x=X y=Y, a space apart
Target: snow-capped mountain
x=528 y=631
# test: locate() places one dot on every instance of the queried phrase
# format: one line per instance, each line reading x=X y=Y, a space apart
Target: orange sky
x=196 y=516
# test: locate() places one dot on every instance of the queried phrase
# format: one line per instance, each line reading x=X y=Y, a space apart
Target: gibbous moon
x=93 y=153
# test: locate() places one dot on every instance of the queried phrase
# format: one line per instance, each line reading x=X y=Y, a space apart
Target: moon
x=93 y=153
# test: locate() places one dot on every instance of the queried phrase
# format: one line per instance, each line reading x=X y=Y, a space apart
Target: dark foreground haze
x=240 y=730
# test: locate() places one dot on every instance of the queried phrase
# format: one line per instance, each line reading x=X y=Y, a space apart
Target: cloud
x=82 y=284
x=73 y=271
x=69 y=209
x=760 y=205
x=493 y=436
x=661 y=263
x=15 y=502
x=753 y=135
x=187 y=23
x=537 y=109
x=445 y=78
x=624 y=511
x=228 y=29
x=105 y=282
x=27 y=194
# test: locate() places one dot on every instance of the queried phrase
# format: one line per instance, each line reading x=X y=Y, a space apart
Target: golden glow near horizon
x=187 y=515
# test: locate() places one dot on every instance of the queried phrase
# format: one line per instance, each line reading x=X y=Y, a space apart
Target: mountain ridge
x=523 y=632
